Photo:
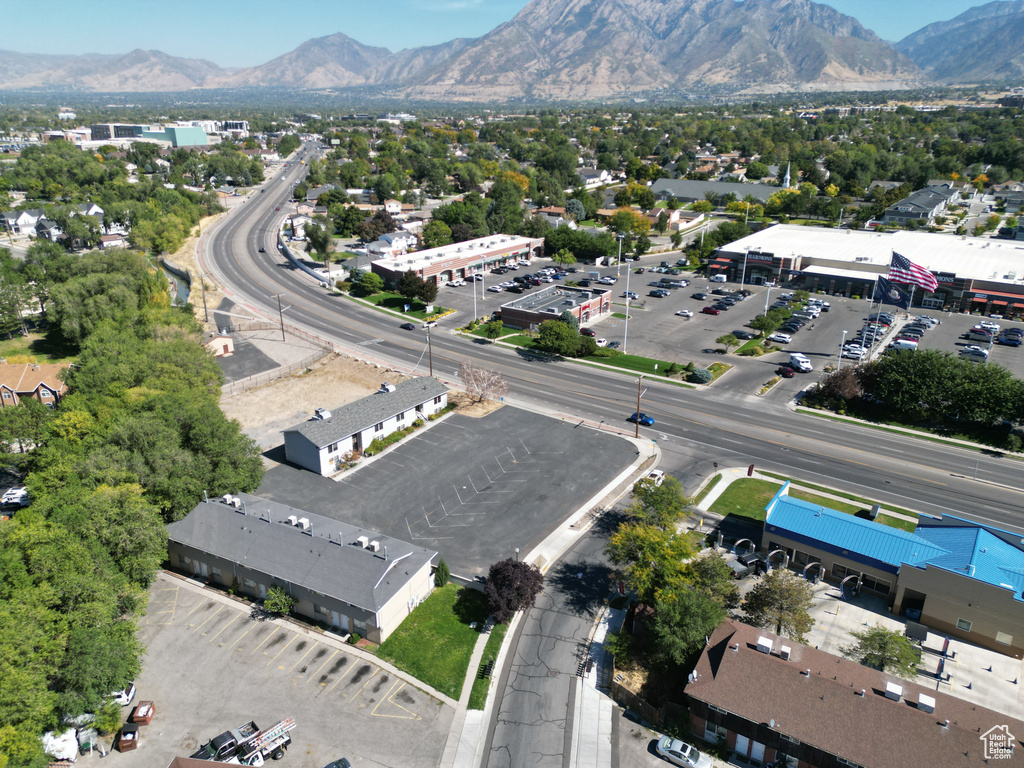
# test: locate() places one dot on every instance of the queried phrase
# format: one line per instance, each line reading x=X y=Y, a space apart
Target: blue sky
x=250 y=32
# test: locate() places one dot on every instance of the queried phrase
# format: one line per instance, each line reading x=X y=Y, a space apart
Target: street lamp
x=743 y=275
x=767 y=296
x=625 y=335
x=618 y=262
x=841 y=345
x=636 y=432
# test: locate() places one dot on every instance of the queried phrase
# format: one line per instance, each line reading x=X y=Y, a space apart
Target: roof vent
x=893 y=691
x=374 y=546
x=321 y=414
x=806 y=672
x=926 y=703
x=784 y=652
x=764 y=645
x=861 y=693
x=303 y=523
x=385 y=388
x=362 y=541
x=293 y=520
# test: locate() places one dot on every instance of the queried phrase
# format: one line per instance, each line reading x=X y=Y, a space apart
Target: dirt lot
x=334 y=381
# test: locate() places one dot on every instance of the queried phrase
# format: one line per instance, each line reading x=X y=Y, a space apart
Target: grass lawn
x=506 y=330
x=520 y=340
x=619 y=315
x=718 y=369
x=478 y=696
x=746 y=498
x=707 y=489
x=397 y=303
x=633 y=363
x=435 y=641
x=750 y=344
x=38 y=348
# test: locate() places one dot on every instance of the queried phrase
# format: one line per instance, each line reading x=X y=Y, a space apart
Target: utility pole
x=430 y=353
x=280 y=314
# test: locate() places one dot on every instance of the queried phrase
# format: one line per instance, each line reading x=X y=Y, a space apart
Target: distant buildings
x=459 y=260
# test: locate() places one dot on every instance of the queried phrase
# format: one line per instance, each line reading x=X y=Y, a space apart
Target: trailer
x=247 y=744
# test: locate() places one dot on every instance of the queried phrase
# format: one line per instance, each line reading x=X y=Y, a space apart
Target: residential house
x=321 y=443
x=49 y=230
x=594 y=178
x=340 y=575
x=22 y=222
x=688 y=191
x=112 y=241
x=393 y=207
x=774 y=701
x=922 y=206
x=37 y=381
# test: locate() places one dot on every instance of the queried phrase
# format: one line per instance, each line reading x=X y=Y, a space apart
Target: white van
x=799 y=362
x=903 y=344
x=975 y=355
x=718 y=279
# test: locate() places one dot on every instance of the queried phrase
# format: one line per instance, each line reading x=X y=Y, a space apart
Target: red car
x=711 y=311
x=588 y=332
x=786 y=372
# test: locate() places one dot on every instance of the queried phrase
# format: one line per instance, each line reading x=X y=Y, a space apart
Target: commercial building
x=174 y=135
x=689 y=191
x=459 y=260
x=321 y=443
x=921 y=206
x=973 y=273
x=776 y=702
x=955 y=576
x=548 y=303
x=345 y=577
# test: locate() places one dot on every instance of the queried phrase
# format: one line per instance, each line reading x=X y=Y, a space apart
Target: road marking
x=267 y=638
x=233 y=620
x=376 y=671
x=323 y=665
x=314 y=645
x=274 y=657
x=390 y=700
x=221 y=608
x=351 y=665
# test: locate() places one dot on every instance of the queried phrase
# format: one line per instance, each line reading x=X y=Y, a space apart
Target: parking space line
x=174 y=606
x=323 y=665
x=360 y=691
x=344 y=674
x=219 y=609
x=198 y=606
x=235 y=641
x=274 y=657
x=233 y=620
x=390 y=700
x=270 y=634
x=314 y=645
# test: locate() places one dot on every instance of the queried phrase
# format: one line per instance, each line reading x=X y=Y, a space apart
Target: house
x=49 y=230
x=393 y=207
x=593 y=178
x=320 y=443
x=400 y=240
x=21 y=222
x=960 y=578
x=348 y=578
x=220 y=344
x=112 y=241
x=772 y=700
x=922 y=206
x=688 y=191
x=31 y=380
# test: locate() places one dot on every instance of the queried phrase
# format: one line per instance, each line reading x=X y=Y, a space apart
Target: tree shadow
x=541 y=357
x=259 y=613
x=470 y=606
x=585 y=586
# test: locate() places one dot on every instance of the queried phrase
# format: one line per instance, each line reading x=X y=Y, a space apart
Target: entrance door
x=345 y=623
x=263 y=591
x=334 y=619
x=742 y=745
x=204 y=570
x=757 y=752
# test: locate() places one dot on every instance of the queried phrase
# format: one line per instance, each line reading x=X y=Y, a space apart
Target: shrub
x=690 y=367
x=108 y=719
x=441 y=574
x=354 y=638
x=701 y=376
x=418 y=423
x=752 y=352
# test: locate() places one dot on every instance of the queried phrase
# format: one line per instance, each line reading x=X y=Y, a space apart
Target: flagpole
x=910 y=303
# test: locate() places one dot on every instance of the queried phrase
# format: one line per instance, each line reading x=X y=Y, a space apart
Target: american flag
x=903 y=270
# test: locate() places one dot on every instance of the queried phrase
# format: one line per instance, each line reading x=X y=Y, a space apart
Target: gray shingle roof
x=380 y=406
x=325 y=559
x=689 y=188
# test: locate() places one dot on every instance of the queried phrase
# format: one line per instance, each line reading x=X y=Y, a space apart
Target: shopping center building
x=974 y=274
x=459 y=260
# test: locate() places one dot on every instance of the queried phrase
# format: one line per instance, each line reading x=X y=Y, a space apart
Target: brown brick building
x=31 y=380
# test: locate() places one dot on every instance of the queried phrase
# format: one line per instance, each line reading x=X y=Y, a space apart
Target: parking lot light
x=618 y=261
x=842 y=345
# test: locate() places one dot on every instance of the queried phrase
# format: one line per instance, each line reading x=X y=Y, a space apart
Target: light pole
x=618 y=261
x=841 y=345
x=636 y=432
x=430 y=352
x=767 y=296
x=743 y=274
x=625 y=335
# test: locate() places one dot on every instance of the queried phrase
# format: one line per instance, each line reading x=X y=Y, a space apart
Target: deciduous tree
x=781 y=602
x=886 y=650
x=481 y=383
x=512 y=586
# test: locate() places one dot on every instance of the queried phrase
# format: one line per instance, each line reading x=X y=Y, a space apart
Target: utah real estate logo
x=998 y=743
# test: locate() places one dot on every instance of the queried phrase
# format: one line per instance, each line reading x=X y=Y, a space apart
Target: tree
x=781 y=602
x=682 y=621
x=713 y=576
x=436 y=233
x=659 y=505
x=575 y=209
x=756 y=170
x=482 y=383
x=570 y=319
x=512 y=586
x=885 y=650
x=319 y=238
x=728 y=341
x=442 y=573
x=564 y=257
x=651 y=558
x=369 y=284
x=558 y=338
x=278 y=602
x=677 y=239
x=427 y=292
x=410 y=284
x=493 y=329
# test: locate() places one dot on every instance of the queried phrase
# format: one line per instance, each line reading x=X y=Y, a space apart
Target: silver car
x=680 y=753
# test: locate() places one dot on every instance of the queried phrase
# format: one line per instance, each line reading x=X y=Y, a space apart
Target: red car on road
x=588 y=332
x=710 y=311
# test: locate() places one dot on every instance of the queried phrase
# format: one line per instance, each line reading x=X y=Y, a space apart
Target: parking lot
x=496 y=483
x=655 y=330
x=211 y=665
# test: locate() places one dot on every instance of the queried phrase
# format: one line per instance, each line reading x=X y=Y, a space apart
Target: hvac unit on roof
x=362 y=541
x=764 y=645
x=320 y=414
x=385 y=388
x=785 y=652
x=293 y=520
x=374 y=546
x=925 y=703
x=303 y=523
x=893 y=691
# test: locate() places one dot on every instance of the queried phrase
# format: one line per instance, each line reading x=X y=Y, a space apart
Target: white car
x=780 y=338
x=655 y=476
x=15 y=497
x=478 y=278
x=456 y=283
x=124 y=697
x=602 y=342
x=685 y=313
x=680 y=753
x=495 y=289
x=607 y=281
x=990 y=326
x=430 y=324
x=854 y=354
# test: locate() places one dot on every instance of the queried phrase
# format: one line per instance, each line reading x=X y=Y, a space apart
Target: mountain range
x=584 y=50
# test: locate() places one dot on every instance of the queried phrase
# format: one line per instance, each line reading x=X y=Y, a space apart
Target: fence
x=256 y=380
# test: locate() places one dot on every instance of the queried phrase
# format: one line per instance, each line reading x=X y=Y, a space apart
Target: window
x=714 y=732
x=719 y=710
x=360 y=627
x=437 y=400
x=844 y=761
x=7 y=395
x=379 y=427
x=320 y=610
x=1004 y=639
x=249 y=585
x=332 y=448
x=44 y=393
x=841 y=572
x=963 y=625
x=881 y=586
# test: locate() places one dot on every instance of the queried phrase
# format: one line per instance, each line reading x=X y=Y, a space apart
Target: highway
x=693 y=428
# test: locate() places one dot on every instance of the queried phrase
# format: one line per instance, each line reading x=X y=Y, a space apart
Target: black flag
x=888 y=292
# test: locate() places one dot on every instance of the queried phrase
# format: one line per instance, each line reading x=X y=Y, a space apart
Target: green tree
x=713 y=576
x=436 y=233
x=319 y=238
x=728 y=341
x=677 y=239
x=574 y=208
x=493 y=329
x=682 y=621
x=886 y=650
x=651 y=558
x=558 y=338
x=564 y=256
x=369 y=284
x=781 y=602
x=410 y=284
x=441 y=574
x=278 y=602
x=662 y=505
x=570 y=319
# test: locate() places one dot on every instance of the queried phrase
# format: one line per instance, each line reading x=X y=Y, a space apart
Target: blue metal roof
x=848 y=534
x=979 y=553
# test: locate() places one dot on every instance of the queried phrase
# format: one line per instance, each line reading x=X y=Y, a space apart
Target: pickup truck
x=247 y=744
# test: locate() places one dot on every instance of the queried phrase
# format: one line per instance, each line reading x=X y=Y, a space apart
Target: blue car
x=642 y=418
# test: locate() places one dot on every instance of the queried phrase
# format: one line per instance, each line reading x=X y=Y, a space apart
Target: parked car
x=1009 y=341
x=745 y=335
x=710 y=310
x=659 y=293
x=608 y=280
x=680 y=753
x=642 y=419
x=721 y=307
x=588 y=332
x=602 y=342
x=780 y=338
x=655 y=476
x=15 y=497
x=699 y=296
x=630 y=295
x=495 y=289
x=685 y=313
x=614 y=344
x=785 y=372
